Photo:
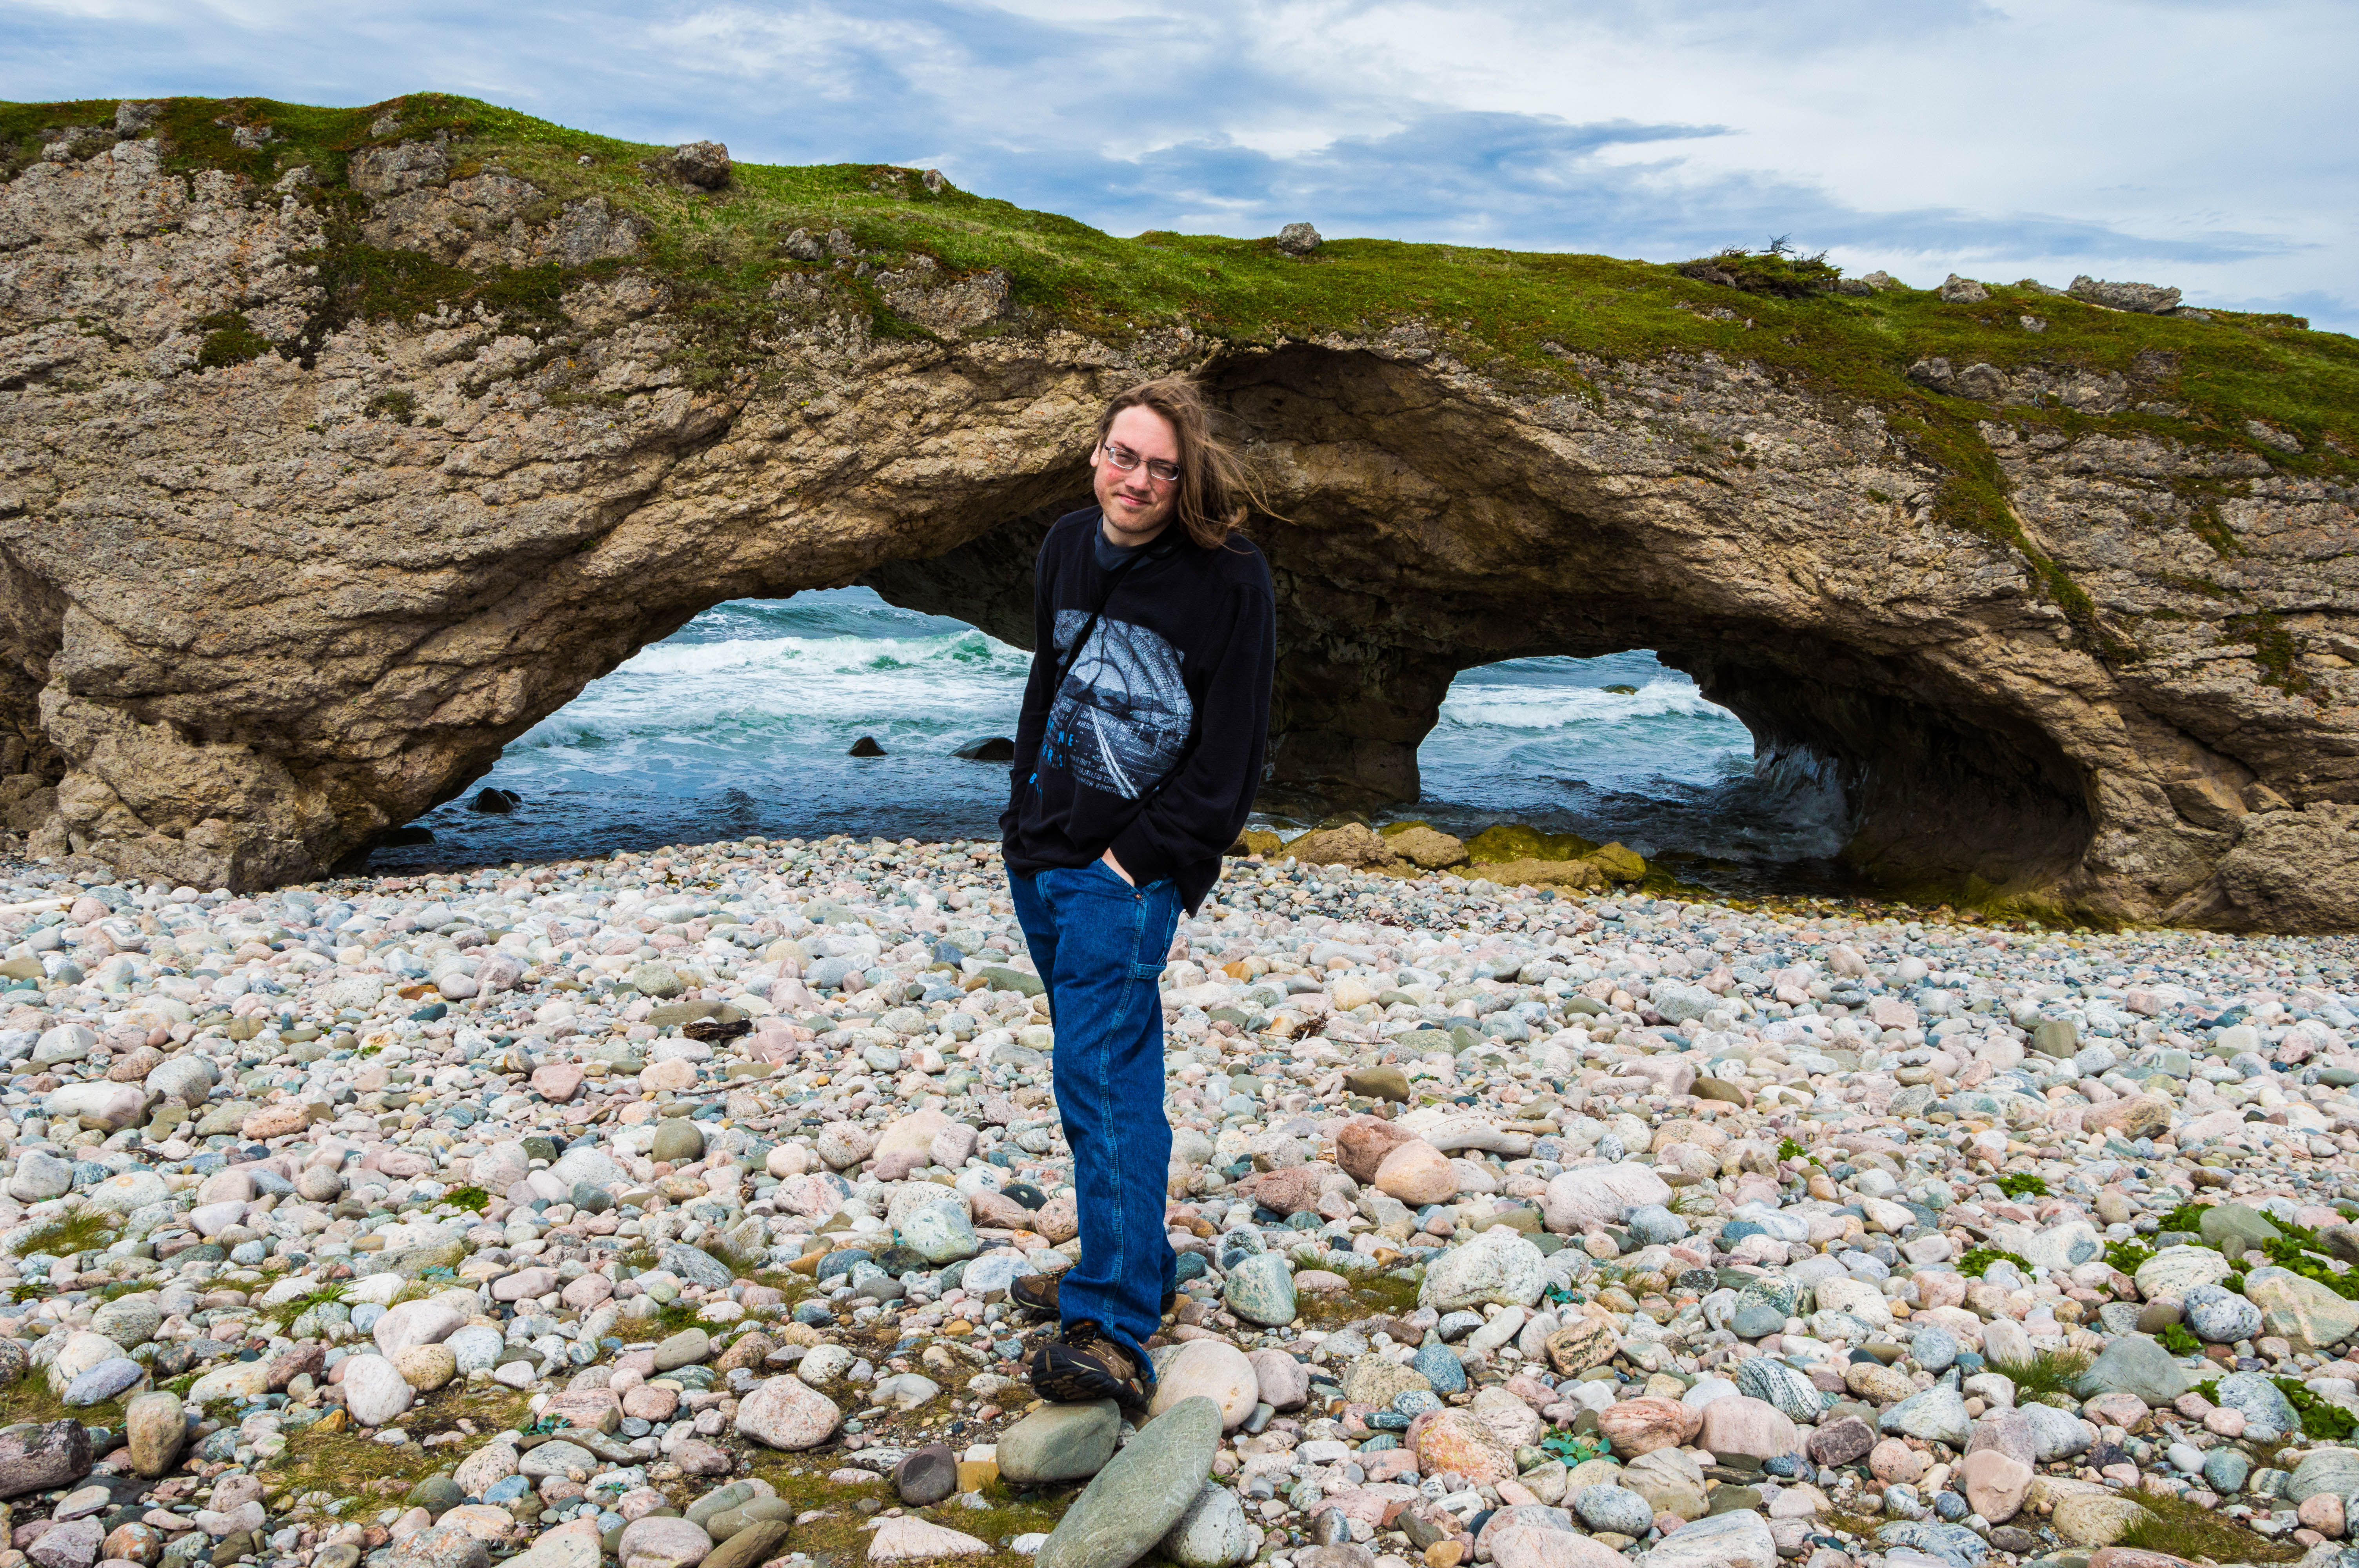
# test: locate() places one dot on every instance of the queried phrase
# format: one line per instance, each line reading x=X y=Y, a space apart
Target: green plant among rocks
x=2047 y=1372
x=2321 y=1420
x=2022 y=1184
x=2193 y=1533
x=1976 y=1260
x=2127 y=1256
x=82 y=1232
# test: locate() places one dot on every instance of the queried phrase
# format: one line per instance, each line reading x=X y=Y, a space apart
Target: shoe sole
x=1063 y=1378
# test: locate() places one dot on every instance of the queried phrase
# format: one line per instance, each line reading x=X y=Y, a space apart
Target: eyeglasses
x=1127 y=461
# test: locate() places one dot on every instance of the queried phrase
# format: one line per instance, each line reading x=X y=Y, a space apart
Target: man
x=1141 y=742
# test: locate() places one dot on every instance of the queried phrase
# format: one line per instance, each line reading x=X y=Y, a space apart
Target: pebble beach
x=660 y=1209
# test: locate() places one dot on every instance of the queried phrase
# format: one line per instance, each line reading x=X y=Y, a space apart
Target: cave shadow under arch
x=1409 y=542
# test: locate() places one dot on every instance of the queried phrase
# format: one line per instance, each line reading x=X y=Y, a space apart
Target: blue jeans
x=1099 y=944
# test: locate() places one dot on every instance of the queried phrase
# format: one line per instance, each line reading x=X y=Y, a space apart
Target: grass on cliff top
x=1499 y=308
x=1527 y=319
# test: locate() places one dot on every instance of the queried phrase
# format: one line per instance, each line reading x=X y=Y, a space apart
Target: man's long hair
x=1215 y=488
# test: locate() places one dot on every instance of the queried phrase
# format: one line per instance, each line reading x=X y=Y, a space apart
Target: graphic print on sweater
x=1121 y=718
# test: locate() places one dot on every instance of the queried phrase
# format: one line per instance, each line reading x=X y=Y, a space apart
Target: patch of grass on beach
x=349 y=1462
x=30 y=1398
x=86 y=1231
x=2197 y=1534
x=839 y=1538
x=284 y=1314
x=2047 y=1372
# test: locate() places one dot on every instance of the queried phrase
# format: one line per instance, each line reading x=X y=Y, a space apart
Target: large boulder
x=1598 y=1195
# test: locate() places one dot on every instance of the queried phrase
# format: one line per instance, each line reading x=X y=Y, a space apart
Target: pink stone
x=1642 y=1425
x=907 y=1144
x=2225 y=1422
x=1941 y=1290
x=1893 y=1461
x=674 y=1075
x=648 y=1402
x=1361 y=1143
x=557 y=1082
x=2323 y=1513
x=587 y=1292
x=1454 y=1441
x=699 y=1458
x=1417 y=1174
x=525 y=1284
x=1994 y=1484
x=1524 y=1542
x=2126 y=1411
x=1736 y=1423
x=1291 y=1191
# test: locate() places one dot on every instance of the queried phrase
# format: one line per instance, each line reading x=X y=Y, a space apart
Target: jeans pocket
x=1102 y=869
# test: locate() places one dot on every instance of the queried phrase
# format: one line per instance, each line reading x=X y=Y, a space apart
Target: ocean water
x=740 y=723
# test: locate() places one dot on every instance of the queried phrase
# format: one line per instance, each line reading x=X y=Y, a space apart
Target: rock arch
x=258 y=608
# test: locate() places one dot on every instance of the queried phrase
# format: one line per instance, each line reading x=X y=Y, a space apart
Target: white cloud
x=2192 y=143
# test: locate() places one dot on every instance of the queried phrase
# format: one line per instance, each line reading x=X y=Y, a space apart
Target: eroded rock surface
x=258 y=612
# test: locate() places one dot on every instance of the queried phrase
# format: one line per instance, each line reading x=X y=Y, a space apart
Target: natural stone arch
x=285 y=562
x=1419 y=535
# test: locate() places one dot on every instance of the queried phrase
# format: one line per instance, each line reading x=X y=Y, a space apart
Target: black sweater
x=1168 y=704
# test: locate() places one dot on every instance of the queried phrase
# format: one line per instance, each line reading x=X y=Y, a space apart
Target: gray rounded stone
x=1796 y=1397
x=1060 y=1442
x=477 y=1348
x=2055 y=1434
x=2237 y=1224
x=103 y=1381
x=2324 y=1470
x=1456 y=1326
x=1213 y=1533
x=1615 y=1509
x=1654 y=1225
x=2218 y=1316
x=1260 y=1290
x=995 y=1271
x=1137 y=1498
x=940 y=1233
x=130 y=1322
x=685 y=1348
x=1935 y=1349
x=2224 y=1470
x=2136 y=1365
x=1936 y=1414
x=678 y=1141
x=2268 y=1414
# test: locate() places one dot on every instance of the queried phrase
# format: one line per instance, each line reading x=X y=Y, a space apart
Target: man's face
x=1137 y=505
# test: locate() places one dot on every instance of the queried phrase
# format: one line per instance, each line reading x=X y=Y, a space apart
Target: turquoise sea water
x=740 y=723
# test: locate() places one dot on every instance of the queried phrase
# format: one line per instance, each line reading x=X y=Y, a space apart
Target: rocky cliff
x=339 y=446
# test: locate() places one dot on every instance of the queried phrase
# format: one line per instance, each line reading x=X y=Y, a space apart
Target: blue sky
x=2167 y=141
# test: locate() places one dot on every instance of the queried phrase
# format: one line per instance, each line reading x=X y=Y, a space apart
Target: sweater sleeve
x=1032 y=722
x=1199 y=812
